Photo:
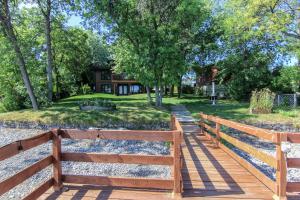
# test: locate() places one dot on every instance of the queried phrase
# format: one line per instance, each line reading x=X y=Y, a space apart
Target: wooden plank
x=258 y=174
x=57 y=169
x=293 y=187
x=40 y=190
x=18 y=178
x=120 y=182
x=251 y=130
x=281 y=170
x=293 y=137
x=293 y=162
x=93 y=192
x=118 y=158
x=119 y=135
x=177 y=163
x=23 y=145
x=270 y=160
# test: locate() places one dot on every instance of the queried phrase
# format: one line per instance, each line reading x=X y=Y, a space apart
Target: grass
x=135 y=109
x=132 y=108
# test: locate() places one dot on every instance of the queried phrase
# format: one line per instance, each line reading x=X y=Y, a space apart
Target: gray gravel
x=19 y=162
x=292 y=151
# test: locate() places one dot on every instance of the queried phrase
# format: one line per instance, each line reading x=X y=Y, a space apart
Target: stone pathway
x=188 y=123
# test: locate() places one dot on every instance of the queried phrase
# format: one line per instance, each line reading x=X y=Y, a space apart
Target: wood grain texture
x=23 y=145
x=118 y=158
x=56 y=151
x=177 y=162
x=166 y=136
x=40 y=190
x=251 y=130
x=119 y=181
x=270 y=160
x=293 y=162
x=293 y=187
x=18 y=178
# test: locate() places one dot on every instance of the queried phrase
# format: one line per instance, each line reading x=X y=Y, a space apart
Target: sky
x=74 y=20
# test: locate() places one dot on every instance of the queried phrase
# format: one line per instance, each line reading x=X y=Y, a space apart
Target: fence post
x=56 y=150
x=201 y=121
x=281 y=170
x=218 y=127
x=172 y=123
x=295 y=100
x=177 y=163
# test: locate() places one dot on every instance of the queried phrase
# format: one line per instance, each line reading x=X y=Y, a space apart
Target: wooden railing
x=20 y=146
x=174 y=137
x=279 y=162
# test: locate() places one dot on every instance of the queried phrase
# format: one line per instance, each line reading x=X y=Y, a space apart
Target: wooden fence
x=174 y=136
x=280 y=163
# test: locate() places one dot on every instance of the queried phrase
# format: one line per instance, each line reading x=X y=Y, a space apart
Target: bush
x=86 y=89
x=262 y=101
x=187 y=89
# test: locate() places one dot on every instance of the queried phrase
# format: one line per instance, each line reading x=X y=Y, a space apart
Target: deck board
x=208 y=174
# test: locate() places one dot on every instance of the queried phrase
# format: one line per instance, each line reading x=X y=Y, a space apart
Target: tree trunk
x=172 y=91
x=179 y=87
x=57 y=95
x=49 y=57
x=8 y=29
x=157 y=101
x=149 y=98
x=46 y=11
x=161 y=94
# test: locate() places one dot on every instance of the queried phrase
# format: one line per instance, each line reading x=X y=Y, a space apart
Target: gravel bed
x=292 y=151
x=19 y=162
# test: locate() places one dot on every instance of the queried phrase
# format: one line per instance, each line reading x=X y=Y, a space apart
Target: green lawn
x=129 y=109
x=134 y=109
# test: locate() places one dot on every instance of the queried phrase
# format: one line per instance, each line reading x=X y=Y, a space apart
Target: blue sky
x=75 y=21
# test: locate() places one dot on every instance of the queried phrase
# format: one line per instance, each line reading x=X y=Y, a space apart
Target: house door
x=123 y=89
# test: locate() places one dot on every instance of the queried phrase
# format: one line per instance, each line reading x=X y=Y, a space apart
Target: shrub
x=86 y=89
x=262 y=101
x=198 y=91
x=187 y=89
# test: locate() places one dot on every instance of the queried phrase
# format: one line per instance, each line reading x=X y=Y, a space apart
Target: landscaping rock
x=19 y=162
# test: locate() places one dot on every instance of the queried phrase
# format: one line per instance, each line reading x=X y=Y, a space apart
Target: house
x=107 y=81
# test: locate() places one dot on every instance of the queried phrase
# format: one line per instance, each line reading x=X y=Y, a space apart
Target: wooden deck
x=208 y=173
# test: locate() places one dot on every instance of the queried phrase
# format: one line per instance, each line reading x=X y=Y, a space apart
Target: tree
x=45 y=8
x=280 y=19
x=9 y=33
x=288 y=80
x=149 y=35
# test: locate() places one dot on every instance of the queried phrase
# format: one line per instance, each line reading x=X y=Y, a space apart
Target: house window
x=135 y=89
x=105 y=88
x=106 y=75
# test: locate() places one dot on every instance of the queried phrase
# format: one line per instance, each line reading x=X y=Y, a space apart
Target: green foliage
x=262 y=101
x=74 y=51
x=253 y=40
x=150 y=34
x=288 y=80
x=86 y=89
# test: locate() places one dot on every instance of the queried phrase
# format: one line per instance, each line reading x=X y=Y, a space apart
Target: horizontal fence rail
x=23 y=145
x=17 y=147
x=280 y=163
x=56 y=135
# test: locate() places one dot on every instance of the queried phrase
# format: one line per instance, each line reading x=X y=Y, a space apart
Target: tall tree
x=46 y=7
x=9 y=33
x=150 y=34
